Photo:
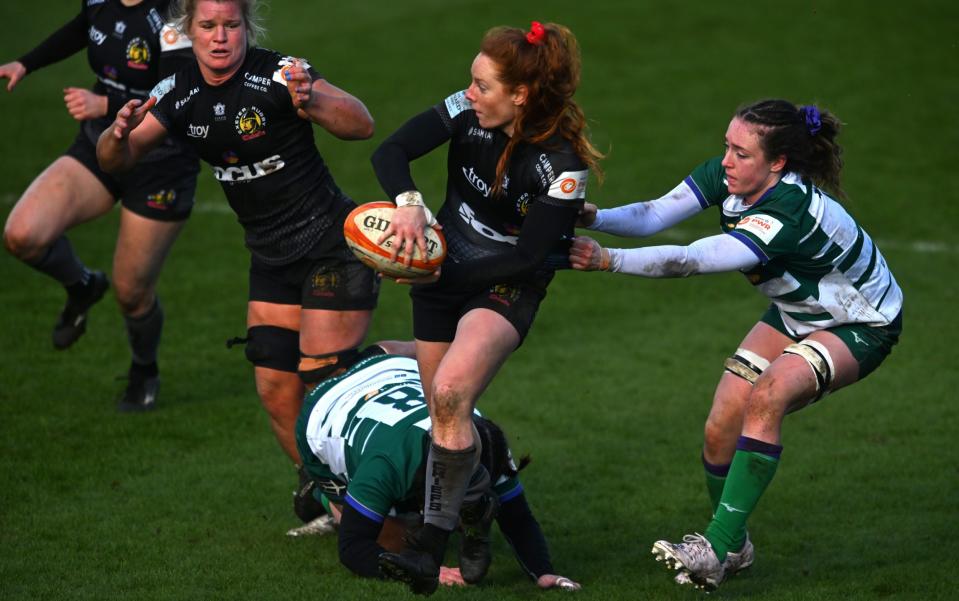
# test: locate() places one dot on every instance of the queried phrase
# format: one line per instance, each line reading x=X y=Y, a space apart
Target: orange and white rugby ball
x=364 y=226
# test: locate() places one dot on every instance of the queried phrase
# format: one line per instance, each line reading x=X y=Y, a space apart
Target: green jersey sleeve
x=375 y=487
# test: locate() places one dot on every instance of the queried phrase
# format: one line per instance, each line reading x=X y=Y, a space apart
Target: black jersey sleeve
x=544 y=228
x=413 y=139
x=64 y=42
x=522 y=531
x=358 y=548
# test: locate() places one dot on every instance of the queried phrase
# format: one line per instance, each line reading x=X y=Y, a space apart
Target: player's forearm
x=715 y=254
x=114 y=155
x=647 y=218
x=522 y=531
x=343 y=116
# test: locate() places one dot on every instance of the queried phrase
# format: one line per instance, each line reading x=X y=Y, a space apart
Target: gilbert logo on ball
x=364 y=226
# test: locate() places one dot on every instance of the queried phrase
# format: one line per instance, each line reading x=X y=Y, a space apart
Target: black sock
x=144 y=334
x=63 y=265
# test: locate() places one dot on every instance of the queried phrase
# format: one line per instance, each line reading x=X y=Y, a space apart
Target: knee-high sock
x=750 y=473
x=715 y=481
x=448 y=474
x=144 y=334
x=62 y=264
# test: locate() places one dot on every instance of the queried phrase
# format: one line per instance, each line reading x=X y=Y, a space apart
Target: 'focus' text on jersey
x=817 y=265
x=262 y=153
x=549 y=172
x=368 y=429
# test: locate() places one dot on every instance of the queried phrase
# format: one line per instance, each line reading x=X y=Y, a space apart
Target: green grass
x=610 y=390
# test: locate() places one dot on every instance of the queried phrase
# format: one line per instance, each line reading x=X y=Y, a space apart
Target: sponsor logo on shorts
x=764 y=227
x=198 y=131
x=244 y=173
x=138 y=54
x=250 y=123
x=506 y=295
x=162 y=200
x=97 y=36
x=324 y=284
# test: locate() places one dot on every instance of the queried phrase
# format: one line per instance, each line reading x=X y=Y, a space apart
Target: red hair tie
x=536 y=33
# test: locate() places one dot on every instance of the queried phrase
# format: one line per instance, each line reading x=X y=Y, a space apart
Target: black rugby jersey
x=261 y=152
x=483 y=230
x=129 y=48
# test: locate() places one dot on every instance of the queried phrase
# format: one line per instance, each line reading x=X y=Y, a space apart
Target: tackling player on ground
x=836 y=308
x=364 y=437
x=518 y=163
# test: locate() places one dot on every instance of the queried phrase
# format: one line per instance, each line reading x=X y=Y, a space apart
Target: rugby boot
x=733 y=564
x=476 y=520
x=418 y=564
x=143 y=386
x=72 y=322
x=305 y=504
x=696 y=557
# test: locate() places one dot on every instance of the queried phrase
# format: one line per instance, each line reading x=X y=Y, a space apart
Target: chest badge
x=250 y=123
x=138 y=54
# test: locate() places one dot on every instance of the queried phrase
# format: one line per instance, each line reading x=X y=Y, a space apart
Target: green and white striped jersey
x=369 y=429
x=817 y=265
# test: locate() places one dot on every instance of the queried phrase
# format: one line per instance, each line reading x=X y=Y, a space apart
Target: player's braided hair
x=805 y=135
x=496 y=455
x=550 y=69
x=182 y=12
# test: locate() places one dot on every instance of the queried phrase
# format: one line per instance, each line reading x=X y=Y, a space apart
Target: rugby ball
x=364 y=226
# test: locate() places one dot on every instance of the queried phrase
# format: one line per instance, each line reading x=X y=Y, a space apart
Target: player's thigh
x=729 y=401
x=483 y=341
x=327 y=331
x=65 y=194
x=845 y=366
x=142 y=247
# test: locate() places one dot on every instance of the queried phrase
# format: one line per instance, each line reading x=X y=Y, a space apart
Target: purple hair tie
x=812 y=118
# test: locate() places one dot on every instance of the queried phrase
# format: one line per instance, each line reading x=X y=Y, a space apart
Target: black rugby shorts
x=161 y=190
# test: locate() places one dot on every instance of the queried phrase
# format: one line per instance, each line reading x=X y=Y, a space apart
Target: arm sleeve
x=522 y=531
x=647 y=218
x=357 y=544
x=413 y=139
x=64 y=42
x=714 y=254
x=543 y=229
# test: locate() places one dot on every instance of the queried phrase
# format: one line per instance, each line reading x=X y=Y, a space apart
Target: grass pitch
x=610 y=390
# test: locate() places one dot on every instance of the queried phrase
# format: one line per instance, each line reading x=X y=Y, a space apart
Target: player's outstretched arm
x=133 y=134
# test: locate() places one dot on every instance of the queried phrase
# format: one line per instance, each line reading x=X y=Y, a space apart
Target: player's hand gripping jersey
x=504 y=236
x=129 y=48
x=261 y=152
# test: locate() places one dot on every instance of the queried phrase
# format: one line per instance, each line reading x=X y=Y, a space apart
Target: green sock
x=714 y=485
x=749 y=475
